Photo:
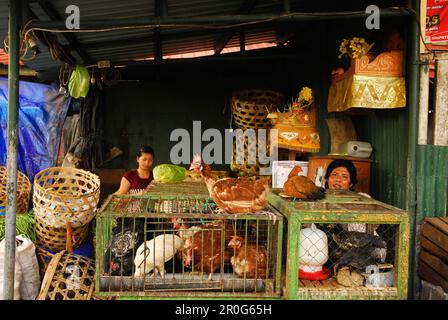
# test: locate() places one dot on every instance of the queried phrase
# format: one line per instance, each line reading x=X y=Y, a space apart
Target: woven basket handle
x=69 y=242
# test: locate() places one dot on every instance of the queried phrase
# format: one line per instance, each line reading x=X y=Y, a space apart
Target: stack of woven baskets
x=65 y=202
x=249 y=111
x=65 y=199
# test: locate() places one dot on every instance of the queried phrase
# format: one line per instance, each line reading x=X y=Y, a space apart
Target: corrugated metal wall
x=387 y=131
x=432 y=181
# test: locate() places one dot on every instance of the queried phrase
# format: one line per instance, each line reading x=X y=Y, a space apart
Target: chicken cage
x=154 y=246
x=345 y=246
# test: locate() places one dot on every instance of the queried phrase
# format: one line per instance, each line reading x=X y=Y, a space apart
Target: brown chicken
x=302 y=187
x=248 y=260
x=202 y=247
x=233 y=195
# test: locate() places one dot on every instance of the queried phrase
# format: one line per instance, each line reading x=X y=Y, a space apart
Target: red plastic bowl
x=318 y=275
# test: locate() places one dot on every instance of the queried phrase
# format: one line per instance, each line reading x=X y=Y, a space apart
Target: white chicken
x=152 y=255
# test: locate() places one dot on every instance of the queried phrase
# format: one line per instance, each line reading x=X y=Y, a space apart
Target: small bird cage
x=346 y=246
x=68 y=277
x=64 y=195
x=179 y=246
x=23 y=191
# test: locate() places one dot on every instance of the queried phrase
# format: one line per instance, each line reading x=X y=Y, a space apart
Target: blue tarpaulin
x=42 y=110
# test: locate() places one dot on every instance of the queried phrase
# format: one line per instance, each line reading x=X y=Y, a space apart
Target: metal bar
x=160 y=10
x=217 y=20
x=242 y=42
x=441 y=101
x=413 y=90
x=49 y=10
x=246 y=7
x=287 y=6
x=13 y=117
x=424 y=100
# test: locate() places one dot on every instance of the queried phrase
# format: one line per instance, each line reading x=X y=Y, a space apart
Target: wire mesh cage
x=180 y=246
x=345 y=246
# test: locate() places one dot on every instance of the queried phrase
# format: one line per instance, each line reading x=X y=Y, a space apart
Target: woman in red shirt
x=138 y=179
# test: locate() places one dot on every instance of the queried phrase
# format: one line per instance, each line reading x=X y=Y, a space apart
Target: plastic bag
x=79 y=83
x=169 y=173
x=17 y=273
x=26 y=256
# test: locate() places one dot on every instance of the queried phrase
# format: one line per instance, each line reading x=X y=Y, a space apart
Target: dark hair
x=145 y=149
x=336 y=163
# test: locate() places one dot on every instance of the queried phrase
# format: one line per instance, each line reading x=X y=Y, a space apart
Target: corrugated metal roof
x=140 y=43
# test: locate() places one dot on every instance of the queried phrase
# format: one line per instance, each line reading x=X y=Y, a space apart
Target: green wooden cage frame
x=104 y=226
x=341 y=207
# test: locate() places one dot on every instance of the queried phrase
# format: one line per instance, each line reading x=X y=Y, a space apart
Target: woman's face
x=145 y=161
x=339 y=179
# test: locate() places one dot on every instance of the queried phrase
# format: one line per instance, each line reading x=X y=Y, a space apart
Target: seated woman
x=341 y=175
x=136 y=180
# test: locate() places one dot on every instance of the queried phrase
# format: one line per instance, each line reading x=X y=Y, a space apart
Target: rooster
x=302 y=187
x=233 y=195
x=152 y=255
x=249 y=259
x=353 y=249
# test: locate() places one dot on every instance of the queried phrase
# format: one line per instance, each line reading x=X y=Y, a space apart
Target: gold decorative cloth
x=361 y=91
x=370 y=82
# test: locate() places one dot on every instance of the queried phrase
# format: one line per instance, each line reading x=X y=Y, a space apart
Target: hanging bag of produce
x=78 y=85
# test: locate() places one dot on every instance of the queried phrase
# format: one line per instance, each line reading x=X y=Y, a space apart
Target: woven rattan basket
x=43 y=257
x=23 y=191
x=251 y=107
x=68 y=277
x=64 y=195
x=247 y=150
x=55 y=239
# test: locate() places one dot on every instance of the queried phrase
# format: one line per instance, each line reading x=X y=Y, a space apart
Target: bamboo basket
x=23 y=191
x=43 y=258
x=251 y=107
x=247 y=149
x=55 y=239
x=68 y=277
x=64 y=195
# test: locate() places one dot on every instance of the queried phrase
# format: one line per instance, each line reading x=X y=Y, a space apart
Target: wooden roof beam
x=51 y=12
x=246 y=7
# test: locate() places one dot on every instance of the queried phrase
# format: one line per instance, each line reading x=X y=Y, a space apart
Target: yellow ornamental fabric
x=361 y=91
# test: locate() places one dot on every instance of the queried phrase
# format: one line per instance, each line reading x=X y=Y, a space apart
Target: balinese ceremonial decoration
x=370 y=82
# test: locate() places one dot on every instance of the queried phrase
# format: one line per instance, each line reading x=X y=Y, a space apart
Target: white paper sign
x=281 y=170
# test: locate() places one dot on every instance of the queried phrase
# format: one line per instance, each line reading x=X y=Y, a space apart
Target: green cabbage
x=169 y=173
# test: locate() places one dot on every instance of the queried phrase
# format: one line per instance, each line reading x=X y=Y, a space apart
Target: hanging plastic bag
x=17 y=273
x=79 y=83
x=26 y=256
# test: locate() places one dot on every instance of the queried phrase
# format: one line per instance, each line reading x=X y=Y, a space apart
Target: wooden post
x=292 y=155
x=424 y=100
x=441 y=104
